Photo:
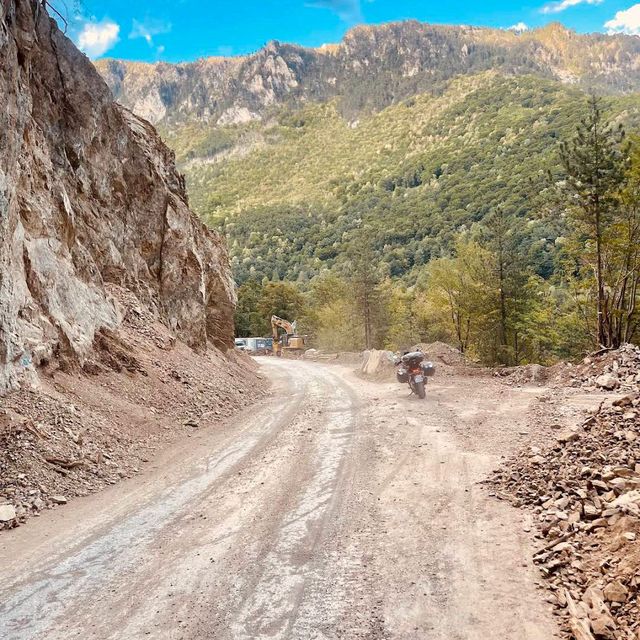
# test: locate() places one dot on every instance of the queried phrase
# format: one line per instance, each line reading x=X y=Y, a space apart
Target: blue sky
x=179 y=30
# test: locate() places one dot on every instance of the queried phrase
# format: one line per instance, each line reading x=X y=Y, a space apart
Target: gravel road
x=339 y=508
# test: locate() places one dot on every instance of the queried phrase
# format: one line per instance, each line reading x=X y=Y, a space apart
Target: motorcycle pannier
x=403 y=375
x=429 y=369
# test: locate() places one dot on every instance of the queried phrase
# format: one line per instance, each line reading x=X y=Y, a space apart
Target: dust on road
x=340 y=508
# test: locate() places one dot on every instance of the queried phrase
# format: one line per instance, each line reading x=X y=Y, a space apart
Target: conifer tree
x=594 y=165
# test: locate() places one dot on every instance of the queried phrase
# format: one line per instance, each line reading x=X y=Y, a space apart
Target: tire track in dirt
x=339 y=509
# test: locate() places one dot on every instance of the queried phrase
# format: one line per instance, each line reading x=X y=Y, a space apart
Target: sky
x=183 y=30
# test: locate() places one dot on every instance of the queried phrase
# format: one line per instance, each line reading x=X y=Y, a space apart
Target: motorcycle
x=414 y=371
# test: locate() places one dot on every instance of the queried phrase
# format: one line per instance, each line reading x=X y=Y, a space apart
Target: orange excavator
x=287 y=342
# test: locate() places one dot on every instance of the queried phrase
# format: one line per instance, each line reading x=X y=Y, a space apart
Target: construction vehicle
x=287 y=342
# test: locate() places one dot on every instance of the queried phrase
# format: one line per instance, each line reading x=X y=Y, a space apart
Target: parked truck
x=255 y=346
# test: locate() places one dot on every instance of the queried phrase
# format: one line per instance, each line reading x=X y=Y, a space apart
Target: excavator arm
x=288 y=327
x=290 y=341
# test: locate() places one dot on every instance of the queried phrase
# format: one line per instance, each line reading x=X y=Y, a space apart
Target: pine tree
x=502 y=235
x=594 y=165
x=365 y=278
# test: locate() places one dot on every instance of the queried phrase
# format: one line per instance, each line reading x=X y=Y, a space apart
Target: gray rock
x=608 y=381
x=7 y=512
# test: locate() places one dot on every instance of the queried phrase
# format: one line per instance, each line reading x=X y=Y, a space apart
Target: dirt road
x=337 y=509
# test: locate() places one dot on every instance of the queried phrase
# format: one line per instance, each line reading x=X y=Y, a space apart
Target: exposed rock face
x=370 y=69
x=89 y=196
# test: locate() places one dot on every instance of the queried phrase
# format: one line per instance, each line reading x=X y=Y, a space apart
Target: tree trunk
x=602 y=336
x=367 y=319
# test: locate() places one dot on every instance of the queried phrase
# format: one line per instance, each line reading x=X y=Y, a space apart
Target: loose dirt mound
x=527 y=374
x=338 y=357
x=584 y=493
x=83 y=430
x=440 y=352
x=378 y=365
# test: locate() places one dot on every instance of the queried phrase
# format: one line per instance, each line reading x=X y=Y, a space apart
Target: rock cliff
x=89 y=198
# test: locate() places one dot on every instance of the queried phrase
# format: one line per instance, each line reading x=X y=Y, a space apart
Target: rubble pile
x=53 y=450
x=608 y=370
x=529 y=374
x=584 y=491
x=79 y=432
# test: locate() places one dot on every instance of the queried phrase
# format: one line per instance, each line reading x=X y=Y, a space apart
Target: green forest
x=468 y=216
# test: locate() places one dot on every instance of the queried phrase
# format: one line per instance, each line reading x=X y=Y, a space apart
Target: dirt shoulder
x=574 y=470
x=84 y=429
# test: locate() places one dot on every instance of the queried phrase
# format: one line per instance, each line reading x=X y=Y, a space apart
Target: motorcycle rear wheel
x=421 y=392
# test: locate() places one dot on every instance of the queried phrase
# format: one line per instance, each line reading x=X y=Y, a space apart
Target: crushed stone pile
x=583 y=490
x=609 y=370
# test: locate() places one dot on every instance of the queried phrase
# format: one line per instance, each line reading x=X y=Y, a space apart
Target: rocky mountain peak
x=371 y=68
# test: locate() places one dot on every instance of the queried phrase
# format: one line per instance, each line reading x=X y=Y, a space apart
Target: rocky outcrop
x=370 y=69
x=89 y=196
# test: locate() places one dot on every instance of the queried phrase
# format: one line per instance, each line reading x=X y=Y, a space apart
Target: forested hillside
x=366 y=166
x=291 y=193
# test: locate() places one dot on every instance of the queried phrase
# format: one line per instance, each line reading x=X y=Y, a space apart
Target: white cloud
x=148 y=29
x=627 y=21
x=519 y=27
x=562 y=5
x=96 y=38
x=347 y=10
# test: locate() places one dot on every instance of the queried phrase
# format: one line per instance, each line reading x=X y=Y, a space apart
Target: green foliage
x=364 y=280
x=426 y=221
x=291 y=191
x=459 y=297
x=248 y=321
x=257 y=302
x=599 y=183
x=332 y=321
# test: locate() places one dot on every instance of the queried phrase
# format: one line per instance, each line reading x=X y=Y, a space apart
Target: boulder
x=7 y=513
x=378 y=363
x=616 y=592
x=608 y=381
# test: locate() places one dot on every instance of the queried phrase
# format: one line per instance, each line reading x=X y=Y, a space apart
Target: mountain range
x=417 y=130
